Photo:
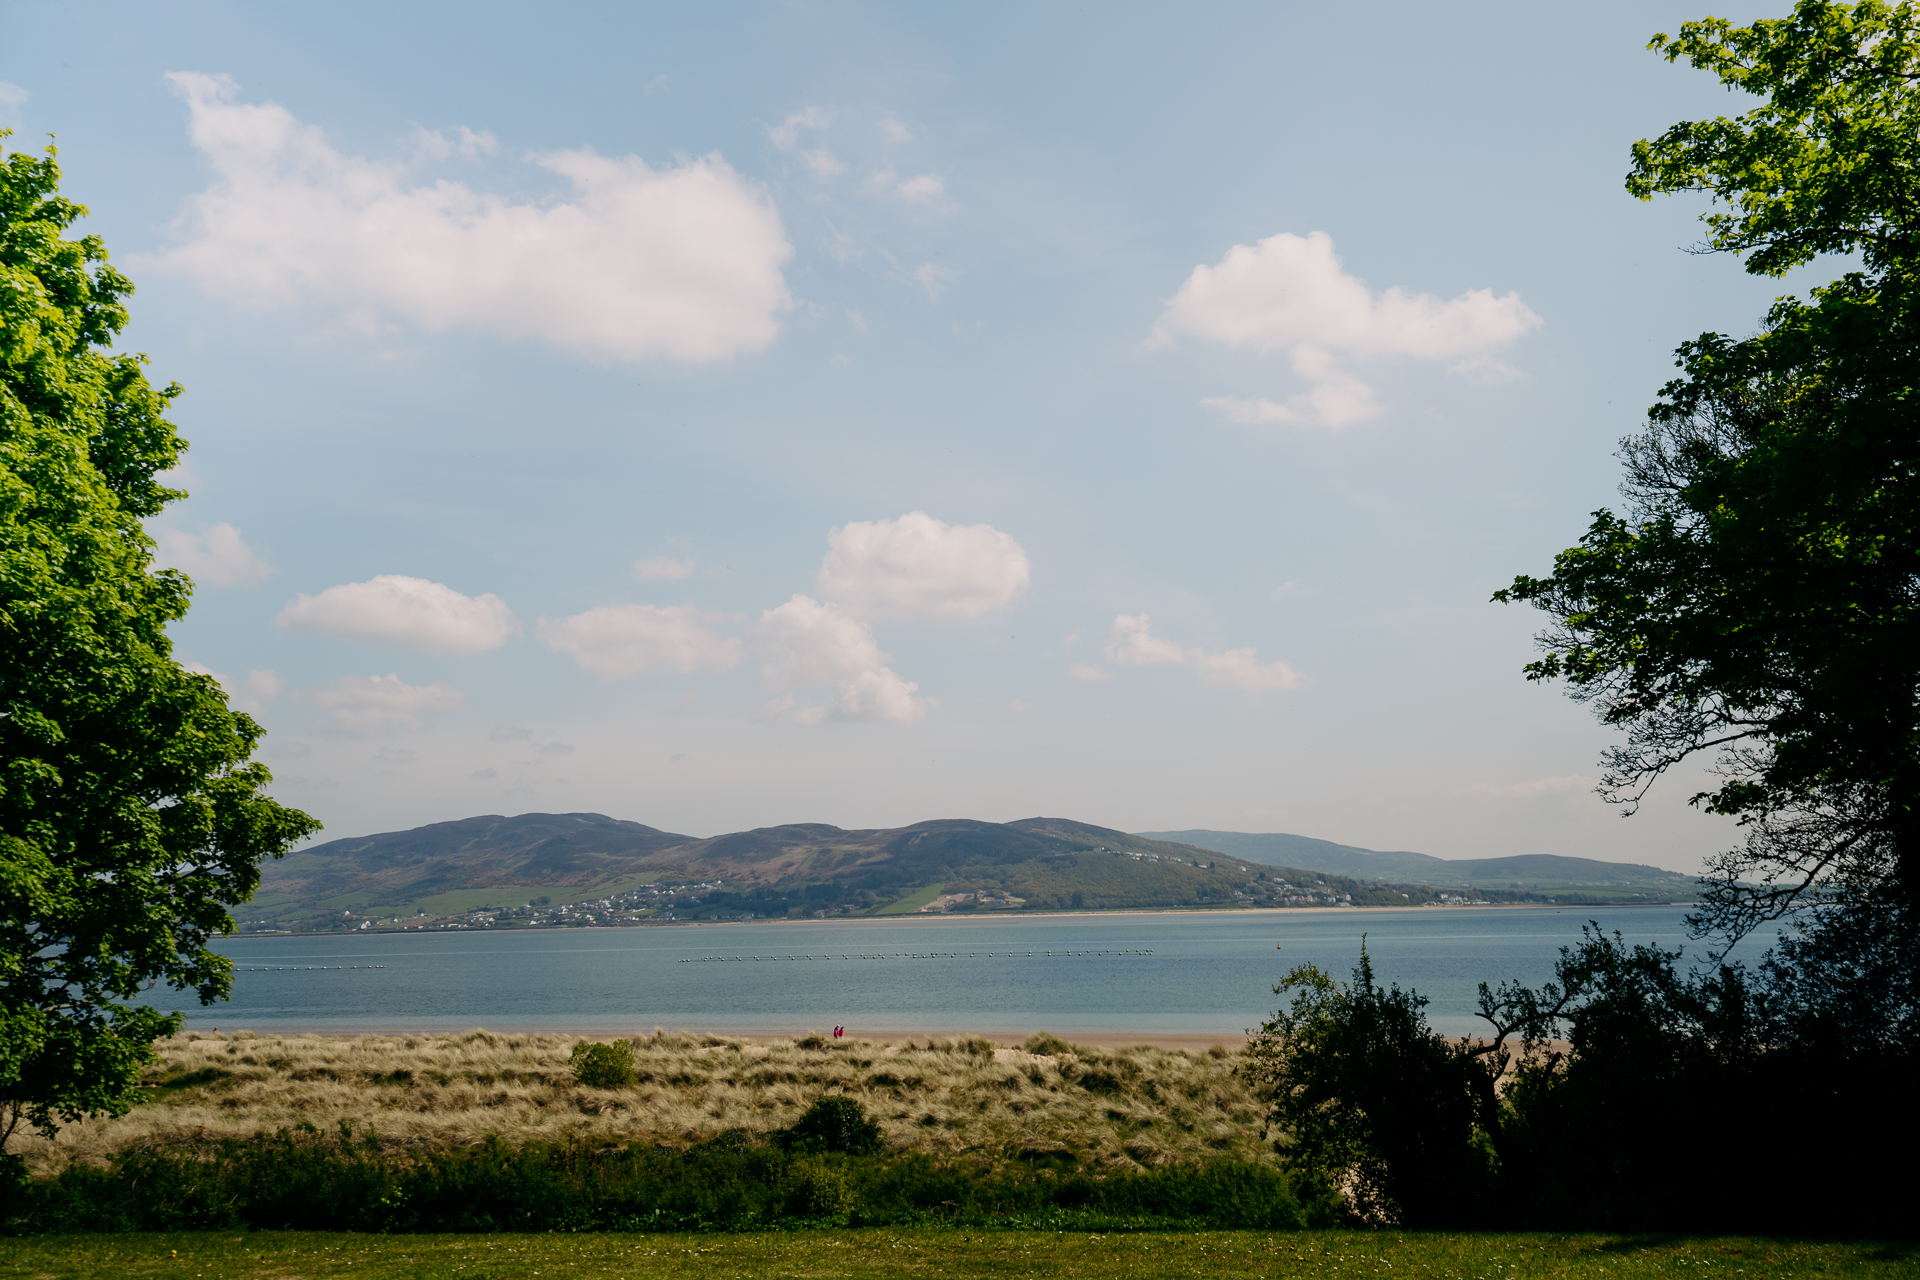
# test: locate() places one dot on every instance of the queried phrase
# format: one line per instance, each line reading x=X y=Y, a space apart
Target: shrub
x=833 y=1124
x=817 y=1189
x=604 y=1066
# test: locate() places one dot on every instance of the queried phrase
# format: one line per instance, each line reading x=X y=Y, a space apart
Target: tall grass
x=1046 y=1102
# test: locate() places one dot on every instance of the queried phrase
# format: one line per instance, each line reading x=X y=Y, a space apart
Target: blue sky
x=717 y=416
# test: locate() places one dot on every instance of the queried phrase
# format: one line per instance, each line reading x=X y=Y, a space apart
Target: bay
x=1148 y=974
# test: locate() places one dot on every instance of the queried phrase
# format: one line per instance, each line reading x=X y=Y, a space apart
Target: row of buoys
x=294 y=968
x=923 y=955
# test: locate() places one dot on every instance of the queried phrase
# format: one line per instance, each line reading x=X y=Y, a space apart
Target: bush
x=604 y=1066
x=838 y=1125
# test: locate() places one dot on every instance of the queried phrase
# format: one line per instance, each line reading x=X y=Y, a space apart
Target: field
x=948 y=1254
x=1098 y=1109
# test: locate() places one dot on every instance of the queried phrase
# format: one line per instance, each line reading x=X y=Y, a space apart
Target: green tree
x=1759 y=601
x=130 y=816
x=1362 y=1091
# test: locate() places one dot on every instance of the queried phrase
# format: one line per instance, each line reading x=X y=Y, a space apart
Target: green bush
x=604 y=1066
x=838 y=1125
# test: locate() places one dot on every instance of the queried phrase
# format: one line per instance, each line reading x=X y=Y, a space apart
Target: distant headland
x=547 y=869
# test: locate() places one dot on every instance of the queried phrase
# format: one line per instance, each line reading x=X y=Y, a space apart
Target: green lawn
x=945 y=1254
x=912 y=902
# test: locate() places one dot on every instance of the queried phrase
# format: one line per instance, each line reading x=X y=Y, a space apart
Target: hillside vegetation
x=495 y=872
x=1550 y=876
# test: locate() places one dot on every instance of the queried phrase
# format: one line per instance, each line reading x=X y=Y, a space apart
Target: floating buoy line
x=307 y=968
x=928 y=955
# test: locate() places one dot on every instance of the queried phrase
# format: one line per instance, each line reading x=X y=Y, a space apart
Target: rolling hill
x=542 y=866
x=1535 y=872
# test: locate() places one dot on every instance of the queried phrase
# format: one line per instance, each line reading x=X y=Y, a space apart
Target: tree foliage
x=1360 y=1090
x=1759 y=600
x=130 y=815
x=1627 y=1093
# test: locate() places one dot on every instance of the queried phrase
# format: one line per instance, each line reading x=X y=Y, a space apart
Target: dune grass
x=1098 y=1109
x=948 y=1254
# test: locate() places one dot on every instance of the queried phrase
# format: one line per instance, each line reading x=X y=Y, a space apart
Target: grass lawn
x=946 y=1254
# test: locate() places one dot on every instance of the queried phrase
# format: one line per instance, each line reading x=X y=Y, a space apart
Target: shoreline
x=995 y=917
x=1198 y=1041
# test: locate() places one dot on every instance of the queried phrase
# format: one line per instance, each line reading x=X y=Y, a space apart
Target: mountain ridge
x=542 y=868
x=1528 y=869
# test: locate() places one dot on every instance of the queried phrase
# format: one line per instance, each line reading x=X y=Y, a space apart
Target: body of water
x=1197 y=973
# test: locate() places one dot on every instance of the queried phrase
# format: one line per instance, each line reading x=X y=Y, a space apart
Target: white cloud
x=1565 y=784
x=922 y=569
x=823 y=163
x=875 y=695
x=1087 y=671
x=1289 y=293
x=1337 y=398
x=217 y=556
x=894 y=130
x=934 y=279
x=683 y=262
x=923 y=189
x=429 y=144
x=808 y=643
x=664 y=569
x=786 y=134
x=508 y=733
x=1132 y=644
x=11 y=94
x=250 y=695
x=411 y=612
x=616 y=641
x=362 y=705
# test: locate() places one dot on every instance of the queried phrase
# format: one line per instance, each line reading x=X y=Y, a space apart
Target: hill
x=579 y=868
x=1543 y=873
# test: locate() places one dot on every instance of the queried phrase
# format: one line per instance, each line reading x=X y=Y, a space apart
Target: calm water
x=1206 y=973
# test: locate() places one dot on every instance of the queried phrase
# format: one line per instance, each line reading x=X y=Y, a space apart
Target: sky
x=723 y=416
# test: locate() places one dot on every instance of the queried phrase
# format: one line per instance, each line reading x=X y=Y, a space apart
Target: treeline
x=829 y=1169
x=1628 y=1094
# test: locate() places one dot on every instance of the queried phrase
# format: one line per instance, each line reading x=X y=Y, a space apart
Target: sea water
x=1162 y=974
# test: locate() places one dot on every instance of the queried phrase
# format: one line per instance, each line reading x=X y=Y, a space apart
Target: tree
x=130 y=815
x=1759 y=602
x=1362 y=1091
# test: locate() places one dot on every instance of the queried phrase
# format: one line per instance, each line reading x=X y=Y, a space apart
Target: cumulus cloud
x=663 y=569
x=922 y=569
x=683 y=262
x=1087 y=671
x=1132 y=644
x=1564 y=784
x=1289 y=293
x=616 y=641
x=411 y=612
x=11 y=94
x=250 y=695
x=809 y=643
x=217 y=556
x=358 y=706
